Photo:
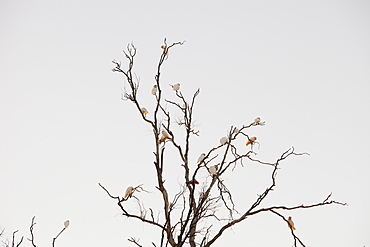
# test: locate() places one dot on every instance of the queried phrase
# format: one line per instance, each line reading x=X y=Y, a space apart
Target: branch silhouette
x=189 y=214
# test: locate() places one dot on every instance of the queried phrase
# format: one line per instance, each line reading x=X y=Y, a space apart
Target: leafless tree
x=14 y=243
x=188 y=215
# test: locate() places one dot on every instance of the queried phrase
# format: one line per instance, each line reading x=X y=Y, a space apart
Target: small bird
x=154 y=89
x=223 y=140
x=176 y=87
x=251 y=140
x=164 y=137
x=201 y=158
x=194 y=182
x=144 y=111
x=236 y=130
x=291 y=223
x=213 y=169
x=257 y=120
x=164 y=49
x=66 y=223
x=129 y=191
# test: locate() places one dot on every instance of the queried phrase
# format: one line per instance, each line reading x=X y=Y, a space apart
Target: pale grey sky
x=302 y=66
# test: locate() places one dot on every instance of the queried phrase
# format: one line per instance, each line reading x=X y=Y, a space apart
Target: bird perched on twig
x=213 y=169
x=251 y=140
x=165 y=51
x=175 y=87
x=154 y=89
x=164 y=137
x=66 y=223
x=257 y=120
x=129 y=191
x=201 y=158
x=144 y=111
x=223 y=140
x=291 y=223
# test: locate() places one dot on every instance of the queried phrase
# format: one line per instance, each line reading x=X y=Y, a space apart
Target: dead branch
x=32 y=240
x=125 y=213
x=14 y=241
x=291 y=230
x=195 y=207
x=54 y=239
x=135 y=241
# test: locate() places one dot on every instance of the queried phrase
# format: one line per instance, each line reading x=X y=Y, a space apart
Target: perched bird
x=164 y=137
x=251 y=140
x=257 y=120
x=223 y=140
x=164 y=49
x=144 y=111
x=201 y=158
x=291 y=223
x=194 y=182
x=213 y=169
x=154 y=89
x=66 y=223
x=236 y=130
x=129 y=191
x=176 y=87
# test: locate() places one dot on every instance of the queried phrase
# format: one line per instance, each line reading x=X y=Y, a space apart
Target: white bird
x=201 y=158
x=154 y=89
x=176 y=87
x=164 y=137
x=223 y=140
x=129 y=191
x=257 y=120
x=251 y=140
x=66 y=223
x=291 y=223
x=144 y=111
x=213 y=169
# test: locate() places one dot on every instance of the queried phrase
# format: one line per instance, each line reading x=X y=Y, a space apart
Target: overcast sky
x=302 y=66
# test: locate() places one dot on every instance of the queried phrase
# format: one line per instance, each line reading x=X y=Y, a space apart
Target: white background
x=302 y=66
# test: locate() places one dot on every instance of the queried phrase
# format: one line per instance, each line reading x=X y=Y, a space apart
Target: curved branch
x=125 y=213
x=291 y=230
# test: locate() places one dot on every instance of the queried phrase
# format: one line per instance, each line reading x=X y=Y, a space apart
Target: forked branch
x=196 y=207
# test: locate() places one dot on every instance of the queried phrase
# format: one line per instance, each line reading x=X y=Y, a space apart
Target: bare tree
x=14 y=243
x=188 y=215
